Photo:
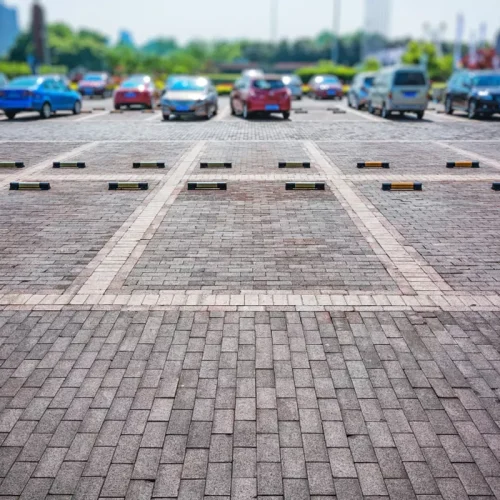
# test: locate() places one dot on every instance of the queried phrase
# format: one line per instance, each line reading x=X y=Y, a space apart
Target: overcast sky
x=250 y=18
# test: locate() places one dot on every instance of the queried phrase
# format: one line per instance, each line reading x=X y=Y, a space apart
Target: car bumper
x=488 y=107
x=19 y=106
x=91 y=91
x=257 y=107
x=192 y=111
x=122 y=101
x=327 y=94
x=392 y=106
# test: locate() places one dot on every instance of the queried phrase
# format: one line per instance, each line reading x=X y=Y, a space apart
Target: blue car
x=43 y=94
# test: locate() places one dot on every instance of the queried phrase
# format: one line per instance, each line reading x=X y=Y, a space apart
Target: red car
x=325 y=87
x=260 y=94
x=95 y=84
x=136 y=90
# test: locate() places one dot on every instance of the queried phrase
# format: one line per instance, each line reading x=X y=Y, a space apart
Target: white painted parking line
x=93 y=115
x=364 y=114
x=156 y=116
x=223 y=113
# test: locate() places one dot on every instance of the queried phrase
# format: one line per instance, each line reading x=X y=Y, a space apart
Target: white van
x=399 y=88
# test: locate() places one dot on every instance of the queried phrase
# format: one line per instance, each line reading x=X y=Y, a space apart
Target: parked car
x=294 y=84
x=95 y=84
x=136 y=90
x=476 y=92
x=3 y=80
x=190 y=96
x=325 y=87
x=38 y=93
x=357 y=97
x=267 y=94
x=399 y=88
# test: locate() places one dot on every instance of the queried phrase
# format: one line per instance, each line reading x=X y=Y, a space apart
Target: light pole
x=336 y=30
x=274 y=20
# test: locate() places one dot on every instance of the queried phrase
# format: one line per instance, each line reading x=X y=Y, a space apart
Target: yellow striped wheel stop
x=402 y=186
x=116 y=111
x=113 y=186
x=301 y=111
x=150 y=111
x=99 y=108
x=316 y=186
x=294 y=164
x=373 y=164
x=215 y=164
x=69 y=164
x=86 y=111
x=192 y=186
x=495 y=186
x=11 y=164
x=17 y=186
x=462 y=164
x=149 y=164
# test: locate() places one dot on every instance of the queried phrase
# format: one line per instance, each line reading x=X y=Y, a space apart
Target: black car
x=476 y=92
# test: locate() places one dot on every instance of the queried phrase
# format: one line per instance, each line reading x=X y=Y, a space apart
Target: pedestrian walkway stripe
x=207 y=185
x=216 y=164
x=69 y=164
x=149 y=164
x=462 y=164
x=402 y=186
x=317 y=186
x=373 y=164
x=113 y=186
x=17 y=186
x=294 y=164
x=12 y=164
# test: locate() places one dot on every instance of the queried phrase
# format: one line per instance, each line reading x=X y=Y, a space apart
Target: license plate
x=410 y=94
x=182 y=108
x=272 y=107
x=331 y=92
x=129 y=95
x=89 y=91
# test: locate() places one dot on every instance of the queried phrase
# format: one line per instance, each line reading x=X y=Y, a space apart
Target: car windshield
x=94 y=78
x=189 y=84
x=369 y=81
x=24 y=82
x=328 y=79
x=132 y=83
x=486 y=81
x=291 y=80
x=408 y=78
x=268 y=84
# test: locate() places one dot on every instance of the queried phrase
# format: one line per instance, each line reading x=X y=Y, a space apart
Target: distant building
x=9 y=27
x=378 y=17
x=126 y=38
x=377 y=26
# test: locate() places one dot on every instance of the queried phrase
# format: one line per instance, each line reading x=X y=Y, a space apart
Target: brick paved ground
x=252 y=343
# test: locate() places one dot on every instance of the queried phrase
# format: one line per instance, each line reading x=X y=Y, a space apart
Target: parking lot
x=251 y=342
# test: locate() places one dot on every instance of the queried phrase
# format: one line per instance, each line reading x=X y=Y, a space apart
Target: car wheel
x=286 y=115
x=117 y=107
x=472 y=110
x=10 y=114
x=355 y=103
x=385 y=113
x=233 y=112
x=46 y=111
x=299 y=98
x=448 y=106
x=420 y=115
x=77 y=108
x=216 y=110
x=166 y=118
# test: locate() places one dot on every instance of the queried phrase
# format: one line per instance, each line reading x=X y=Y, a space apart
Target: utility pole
x=274 y=20
x=336 y=31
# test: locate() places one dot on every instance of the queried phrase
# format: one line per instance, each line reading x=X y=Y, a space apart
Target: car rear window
x=268 y=84
x=94 y=78
x=24 y=82
x=408 y=78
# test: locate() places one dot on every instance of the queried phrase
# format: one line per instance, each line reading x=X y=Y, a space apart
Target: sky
x=229 y=19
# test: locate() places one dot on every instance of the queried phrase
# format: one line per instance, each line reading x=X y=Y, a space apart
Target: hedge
x=14 y=69
x=344 y=73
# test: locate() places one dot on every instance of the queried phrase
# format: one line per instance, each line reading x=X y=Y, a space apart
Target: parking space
x=48 y=237
x=412 y=158
x=257 y=236
x=489 y=149
x=32 y=153
x=453 y=226
x=249 y=158
x=119 y=157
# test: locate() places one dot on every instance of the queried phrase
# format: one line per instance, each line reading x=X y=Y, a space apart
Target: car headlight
x=485 y=95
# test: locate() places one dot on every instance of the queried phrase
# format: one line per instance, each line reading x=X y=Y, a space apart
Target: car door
x=64 y=97
x=462 y=92
x=375 y=91
x=51 y=94
x=238 y=96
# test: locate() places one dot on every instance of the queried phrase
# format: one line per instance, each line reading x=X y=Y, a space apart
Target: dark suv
x=476 y=92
